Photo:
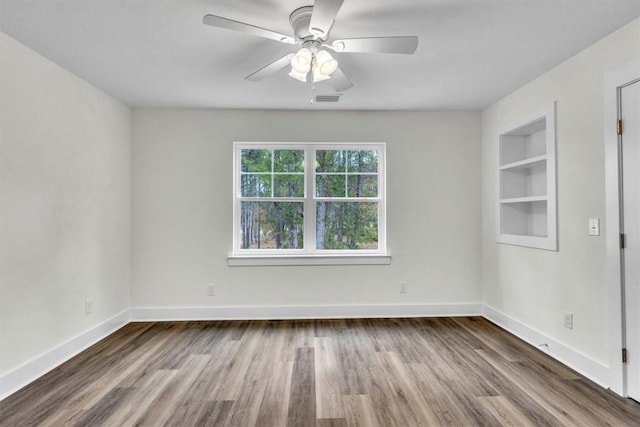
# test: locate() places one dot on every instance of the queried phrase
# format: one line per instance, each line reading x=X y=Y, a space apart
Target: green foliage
x=344 y=174
x=346 y=225
x=288 y=161
x=272 y=225
x=266 y=174
x=341 y=223
x=256 y=160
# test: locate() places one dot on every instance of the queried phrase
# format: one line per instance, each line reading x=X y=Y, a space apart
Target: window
x=309 y=199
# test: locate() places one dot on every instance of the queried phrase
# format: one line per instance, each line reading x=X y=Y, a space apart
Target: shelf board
x=524 y=199
x=535 y=236
x=526 y=163
x=531 y=241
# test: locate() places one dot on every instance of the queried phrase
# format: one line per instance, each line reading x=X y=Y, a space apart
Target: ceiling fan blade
x=230 y=24
x=402 y=44
x=324 y=13
x=269 y=69
x=339 y=81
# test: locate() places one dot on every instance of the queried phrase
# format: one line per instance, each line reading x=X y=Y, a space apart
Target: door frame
x=612 y=83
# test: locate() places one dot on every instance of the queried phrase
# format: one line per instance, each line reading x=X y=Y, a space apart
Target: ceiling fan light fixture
x=317 y=75
x=326 y=63
x=298 y=75
x=301 y=62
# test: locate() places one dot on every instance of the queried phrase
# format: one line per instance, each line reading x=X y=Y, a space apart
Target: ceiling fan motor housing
x=300 y=19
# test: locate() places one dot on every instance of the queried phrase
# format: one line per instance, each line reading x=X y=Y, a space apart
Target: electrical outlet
x=211 y=290
x=404 y=287
x=568 y=320
x=88 y=307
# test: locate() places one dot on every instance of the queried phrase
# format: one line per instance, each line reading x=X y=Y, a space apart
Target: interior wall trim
x=585 y=365
x=147 y=314
x=33 y=369
x=612 y=82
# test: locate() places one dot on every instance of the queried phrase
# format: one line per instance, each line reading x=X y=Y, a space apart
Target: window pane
x=271 y=225
x=330 y=186
x=256 y=185
x=330 y=160
x=362 y=185
x=288 y=161
x=256 y=160
x=362 y=161
x=288 y=186
x=346 y=225
x=346 y=197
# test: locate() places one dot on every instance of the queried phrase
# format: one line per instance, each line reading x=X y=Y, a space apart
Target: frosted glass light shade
x=317 y=75
x=298 y=75
x=326 y=63
x=301 y=62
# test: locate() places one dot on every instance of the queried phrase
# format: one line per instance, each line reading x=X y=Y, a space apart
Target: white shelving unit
x=527 y=183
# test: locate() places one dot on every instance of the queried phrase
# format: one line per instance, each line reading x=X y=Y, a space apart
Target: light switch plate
x=568 y=320
x=594 y=226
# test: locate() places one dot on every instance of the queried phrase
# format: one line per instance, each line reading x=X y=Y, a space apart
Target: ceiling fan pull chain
x=313 y=92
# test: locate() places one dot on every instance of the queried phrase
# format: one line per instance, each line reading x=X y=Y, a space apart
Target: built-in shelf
x=526 y=213
x=524 y=199
x=526 y=163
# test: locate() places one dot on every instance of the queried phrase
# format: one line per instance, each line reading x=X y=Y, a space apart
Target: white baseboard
x=595 y=371
x=24 y=374
x=147 y=314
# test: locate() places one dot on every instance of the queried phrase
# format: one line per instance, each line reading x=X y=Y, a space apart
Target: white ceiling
x=159 y=53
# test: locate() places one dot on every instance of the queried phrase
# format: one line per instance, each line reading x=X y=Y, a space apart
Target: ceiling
x=159 y=53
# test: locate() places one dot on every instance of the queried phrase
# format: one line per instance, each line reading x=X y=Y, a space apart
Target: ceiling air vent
x=327 y=98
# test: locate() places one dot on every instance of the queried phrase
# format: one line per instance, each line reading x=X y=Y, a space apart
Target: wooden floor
x=380 y=372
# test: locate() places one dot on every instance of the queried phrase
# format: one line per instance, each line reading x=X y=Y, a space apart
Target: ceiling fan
x=311 y=27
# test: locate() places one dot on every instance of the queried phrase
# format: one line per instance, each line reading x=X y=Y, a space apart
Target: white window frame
x=309 y=255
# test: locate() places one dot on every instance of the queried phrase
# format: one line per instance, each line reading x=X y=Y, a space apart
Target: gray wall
x=65 y=202
x=535 y=286
x=182 y=209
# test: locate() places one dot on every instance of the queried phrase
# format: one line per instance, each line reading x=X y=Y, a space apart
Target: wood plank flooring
x=360 y=372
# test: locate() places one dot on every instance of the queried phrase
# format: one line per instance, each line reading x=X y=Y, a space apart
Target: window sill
x=279 y=260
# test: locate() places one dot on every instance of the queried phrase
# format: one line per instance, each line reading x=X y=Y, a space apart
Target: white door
x=629 y=102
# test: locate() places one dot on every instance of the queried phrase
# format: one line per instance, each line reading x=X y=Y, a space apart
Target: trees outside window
x=309 y=198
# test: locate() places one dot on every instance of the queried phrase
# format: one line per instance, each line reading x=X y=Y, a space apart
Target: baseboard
x=145 y=314
x=575 y=360
x=28 y=372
